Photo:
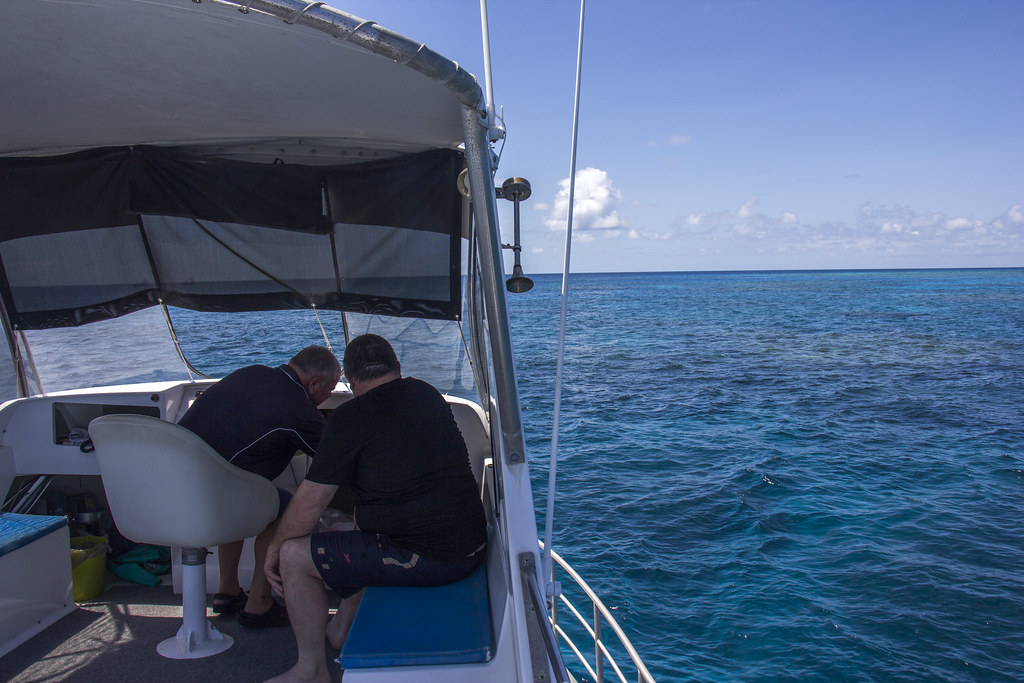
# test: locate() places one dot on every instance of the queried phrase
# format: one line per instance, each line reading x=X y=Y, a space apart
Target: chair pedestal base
x=197 y=637
x=193 y=646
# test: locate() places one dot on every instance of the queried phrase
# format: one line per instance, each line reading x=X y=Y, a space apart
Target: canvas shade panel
x=98 y=234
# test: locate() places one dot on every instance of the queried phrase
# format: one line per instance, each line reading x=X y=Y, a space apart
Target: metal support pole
x=12 y=342
x=481 y=184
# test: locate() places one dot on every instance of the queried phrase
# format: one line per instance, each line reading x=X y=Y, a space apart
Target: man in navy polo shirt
x=257 y=418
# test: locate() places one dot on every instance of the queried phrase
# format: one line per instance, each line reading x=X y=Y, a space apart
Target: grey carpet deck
x=114 y=638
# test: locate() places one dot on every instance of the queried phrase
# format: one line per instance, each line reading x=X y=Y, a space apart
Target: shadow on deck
x=114 y=638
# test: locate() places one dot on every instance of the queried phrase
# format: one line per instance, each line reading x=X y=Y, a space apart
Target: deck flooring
x=114 y=638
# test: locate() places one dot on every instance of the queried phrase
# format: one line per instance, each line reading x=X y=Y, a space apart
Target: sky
x=751 y=135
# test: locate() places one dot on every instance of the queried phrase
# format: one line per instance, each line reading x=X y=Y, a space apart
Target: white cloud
x=748 y=230
x=902 y=231
x=747 y=209
x=1015 y=214
x=898 y=234
x=925 y=220
x=646 y=235
x=595 y=204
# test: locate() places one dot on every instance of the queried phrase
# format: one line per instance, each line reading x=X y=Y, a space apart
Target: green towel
x=142 y=564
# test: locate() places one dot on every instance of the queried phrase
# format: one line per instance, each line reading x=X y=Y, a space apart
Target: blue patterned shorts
x=349 y=561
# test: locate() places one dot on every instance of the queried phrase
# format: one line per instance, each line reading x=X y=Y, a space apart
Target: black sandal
x=225 y=603
x=277 y=615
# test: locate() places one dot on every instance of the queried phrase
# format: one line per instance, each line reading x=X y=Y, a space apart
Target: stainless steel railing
x=595 y=628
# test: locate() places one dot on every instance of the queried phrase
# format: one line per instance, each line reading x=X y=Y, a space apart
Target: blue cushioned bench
x=35 y=576
x=17 y=531
x=400 y=626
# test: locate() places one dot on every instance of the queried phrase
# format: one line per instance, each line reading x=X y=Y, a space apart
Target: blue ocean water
x=791 y=475
x=777 y=476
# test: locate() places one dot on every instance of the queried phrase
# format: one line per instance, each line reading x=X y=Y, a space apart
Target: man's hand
x=300 y=519
x=271 y=568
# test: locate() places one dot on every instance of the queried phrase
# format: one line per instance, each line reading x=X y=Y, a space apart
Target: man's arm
x=298 y=520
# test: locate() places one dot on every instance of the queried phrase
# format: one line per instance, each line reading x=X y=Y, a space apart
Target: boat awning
x=106 y=73
x=98 y=234
x=224 y=160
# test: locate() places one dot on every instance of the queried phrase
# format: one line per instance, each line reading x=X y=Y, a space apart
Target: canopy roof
x=224 y=160
x=99 y=73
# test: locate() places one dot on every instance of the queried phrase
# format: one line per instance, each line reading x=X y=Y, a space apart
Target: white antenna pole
x=485 y=32
x=553 y=469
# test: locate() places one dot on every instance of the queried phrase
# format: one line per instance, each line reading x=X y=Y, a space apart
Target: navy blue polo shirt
x=257 y=418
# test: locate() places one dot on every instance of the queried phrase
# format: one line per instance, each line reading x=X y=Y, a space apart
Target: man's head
x=318 y=370
x=370 y=357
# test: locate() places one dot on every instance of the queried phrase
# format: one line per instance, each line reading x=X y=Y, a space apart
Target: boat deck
x=114 y=638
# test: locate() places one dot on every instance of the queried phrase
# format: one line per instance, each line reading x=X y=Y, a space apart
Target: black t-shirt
x=257 y=418
x=400 y=452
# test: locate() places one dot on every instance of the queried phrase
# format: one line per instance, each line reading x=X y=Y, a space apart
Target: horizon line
x=777 y=270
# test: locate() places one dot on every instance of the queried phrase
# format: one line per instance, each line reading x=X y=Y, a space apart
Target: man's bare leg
x=260 y=597
x=306 y=600
x=228 y=555
x=341 y=622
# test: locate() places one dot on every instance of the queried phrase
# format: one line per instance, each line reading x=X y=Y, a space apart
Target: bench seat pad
x=406 y=626
x=17 y=531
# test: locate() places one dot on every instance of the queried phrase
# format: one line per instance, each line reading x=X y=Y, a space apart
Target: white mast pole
x=488 y=87
x=553 y=589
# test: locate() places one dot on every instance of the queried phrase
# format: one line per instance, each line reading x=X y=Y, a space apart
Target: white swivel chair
x=166 y=486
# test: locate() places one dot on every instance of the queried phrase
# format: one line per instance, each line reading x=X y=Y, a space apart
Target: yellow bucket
x=88 y=565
